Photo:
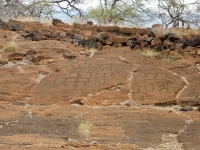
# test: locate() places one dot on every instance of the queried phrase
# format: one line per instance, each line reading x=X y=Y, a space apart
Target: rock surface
x=55 y=95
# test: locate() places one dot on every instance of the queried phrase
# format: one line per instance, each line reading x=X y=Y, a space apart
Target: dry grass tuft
x=10 y=47
x=85 y=126
x=149 y=53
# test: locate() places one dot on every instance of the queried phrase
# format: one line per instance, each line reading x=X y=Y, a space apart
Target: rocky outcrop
x=56 y=80
x=111 y=35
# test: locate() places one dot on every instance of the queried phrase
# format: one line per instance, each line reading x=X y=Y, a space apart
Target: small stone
x=190 y=108
x=183 y=109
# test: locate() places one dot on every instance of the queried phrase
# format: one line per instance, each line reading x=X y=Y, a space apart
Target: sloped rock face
x=129 y=101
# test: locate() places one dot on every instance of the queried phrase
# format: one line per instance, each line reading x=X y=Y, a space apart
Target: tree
x=118 y=11
x=33 y=8
x=39 y=8
x=177 y=13
x=69 y=7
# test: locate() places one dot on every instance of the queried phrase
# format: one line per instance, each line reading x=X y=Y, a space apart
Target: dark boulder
x=30 y=52
x=3 y=25
x=132 y=42
x=70 y=35
x=189 y=108
x=14 y=25
x=151 y=34
x=56 y=22
x=102 y=36
x=193 y=42
x=90 y=43
x=38 y=36
x=182 y=40
x=69 y=56
x=149 y=39
x=46 y=32
x=159 y=48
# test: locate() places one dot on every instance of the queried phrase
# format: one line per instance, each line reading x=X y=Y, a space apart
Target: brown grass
x=44 y=21
x=177 y=31
x=10 y=47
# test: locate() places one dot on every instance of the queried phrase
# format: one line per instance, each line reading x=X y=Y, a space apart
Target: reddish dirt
x=131 y=101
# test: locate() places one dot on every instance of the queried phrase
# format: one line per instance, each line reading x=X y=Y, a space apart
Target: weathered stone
x=173 y=38
x=90 y=43
x=190 y=108
x=103 y=36
x=183 y=109
x=156 y=41
x=162 y=38
x=119 y=39
x=37 y=36
x=3 y=25
x=151 y=34
x=30 y=52
x=36 y=59
x=131 y=42
x=70 y=35
x=112 y=29
x=149 y=39
x=98 y=45
x=136 y=47
x=56 y=22
x=69 y=56
x=125 y=31
x=159 y=48
x=16 y=56
x=157 y=26
x=169 y=35
x=109 y=41
x=189 y=49
x=14 y=25
x=56 y=34
x=182 y=40
x=46 y=32
x=143 y=44
x=3 y=62
x=193 y=42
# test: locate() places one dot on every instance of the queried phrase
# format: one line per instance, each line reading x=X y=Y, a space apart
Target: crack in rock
x=29 y=115
x=11 y=123
x=183 y=78
x=130 y=101
x=40 y=78
x=20 y=69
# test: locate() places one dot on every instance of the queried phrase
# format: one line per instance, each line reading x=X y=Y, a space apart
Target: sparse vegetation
x=149 y=53
x=10 y=47
x=168 y=59
x=85 y=126
x=153 y=53
x=177 y=31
